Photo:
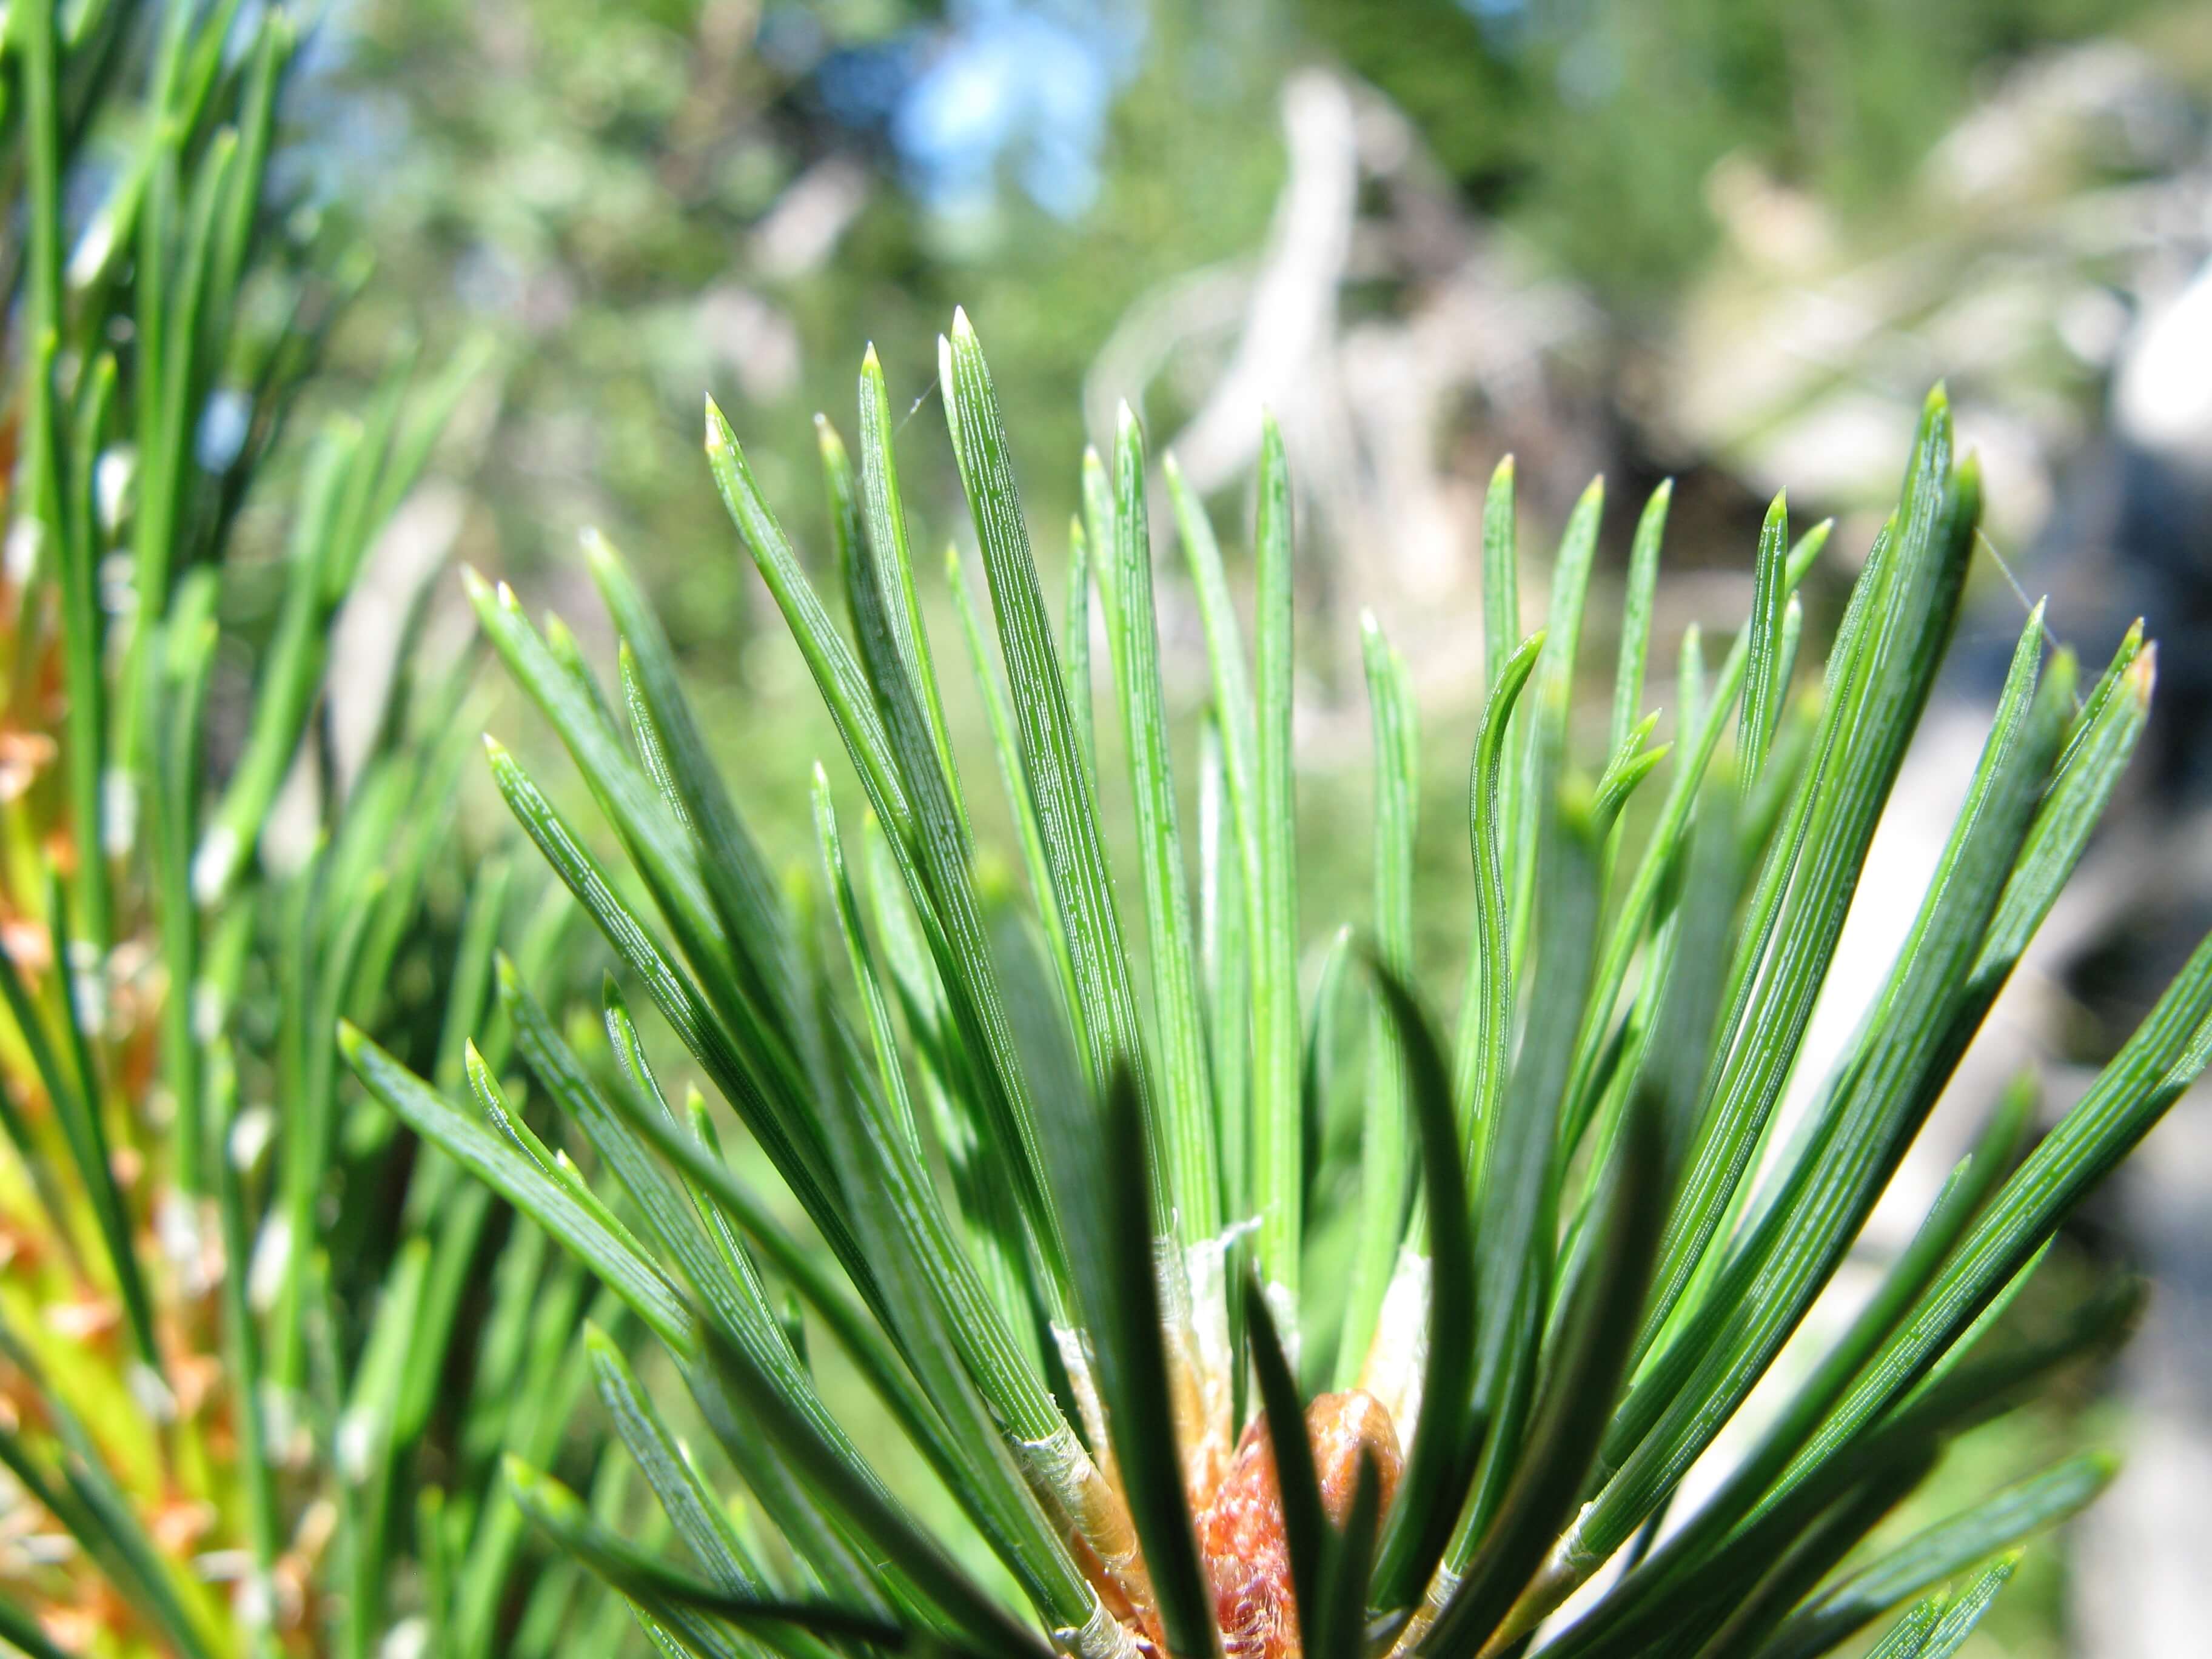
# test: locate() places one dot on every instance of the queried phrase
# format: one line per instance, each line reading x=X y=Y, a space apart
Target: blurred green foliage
x=601 y=181
x=652 y=201
x=1593 y=124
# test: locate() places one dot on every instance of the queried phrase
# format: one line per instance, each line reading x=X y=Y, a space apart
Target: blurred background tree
x=646 y=198
x=654 y=200
x=1595 y=123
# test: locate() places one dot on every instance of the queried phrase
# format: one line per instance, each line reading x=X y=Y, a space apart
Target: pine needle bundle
x=1069 y=1234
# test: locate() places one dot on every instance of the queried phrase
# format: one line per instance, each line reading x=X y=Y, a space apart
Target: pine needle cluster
x=254 y=1385
x=1067 y=1214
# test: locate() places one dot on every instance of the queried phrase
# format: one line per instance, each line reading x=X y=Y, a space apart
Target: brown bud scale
x=1240 y=1531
